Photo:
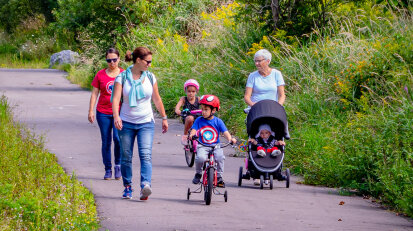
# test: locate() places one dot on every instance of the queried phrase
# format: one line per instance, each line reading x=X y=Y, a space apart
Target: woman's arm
x=117 y=93
x=92 y=103
x=281 y=94
x=179 y=105
x=159 y=106
x=247 y=96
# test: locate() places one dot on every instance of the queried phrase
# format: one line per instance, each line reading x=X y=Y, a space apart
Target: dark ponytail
x=139 y=52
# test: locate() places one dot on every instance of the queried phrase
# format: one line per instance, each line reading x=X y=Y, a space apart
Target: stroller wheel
x=240 y=177
x=261 y=181
x=226 y=196
x=287 y=176
x=271 y=181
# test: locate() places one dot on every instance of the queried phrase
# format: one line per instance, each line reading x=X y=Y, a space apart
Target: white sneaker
x=145 y=192
x=261 y=153
x=257 y=182
x=275 y=153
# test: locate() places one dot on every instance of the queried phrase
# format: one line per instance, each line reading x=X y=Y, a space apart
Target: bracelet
x=165 y=117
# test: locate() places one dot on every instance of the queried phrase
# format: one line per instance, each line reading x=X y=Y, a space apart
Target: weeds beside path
x=35 y=192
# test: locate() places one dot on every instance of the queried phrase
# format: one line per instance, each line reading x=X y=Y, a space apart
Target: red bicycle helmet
x=210 y=100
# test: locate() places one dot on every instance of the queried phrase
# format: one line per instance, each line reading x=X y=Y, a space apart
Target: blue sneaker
x=108 y=175
x=197 y=178
x=127 y=193
x=118 y=174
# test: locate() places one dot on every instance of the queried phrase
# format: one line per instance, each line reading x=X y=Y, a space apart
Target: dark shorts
x=184 y=117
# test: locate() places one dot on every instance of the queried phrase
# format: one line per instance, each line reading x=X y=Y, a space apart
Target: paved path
x=52 y=106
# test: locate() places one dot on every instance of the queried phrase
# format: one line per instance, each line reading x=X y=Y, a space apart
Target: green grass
x=10 y=60
x=35 y=192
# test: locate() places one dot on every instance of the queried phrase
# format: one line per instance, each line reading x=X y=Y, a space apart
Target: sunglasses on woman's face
x=147 y=61
x=112 y=60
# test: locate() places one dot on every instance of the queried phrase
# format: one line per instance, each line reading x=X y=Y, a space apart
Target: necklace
x=112 y=73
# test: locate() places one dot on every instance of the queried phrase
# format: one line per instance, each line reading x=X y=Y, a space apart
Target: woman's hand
x=92 y=102
x=118 y=122
x=91 y=117
x=164 y=126
x=247 y=96
x=280 y=142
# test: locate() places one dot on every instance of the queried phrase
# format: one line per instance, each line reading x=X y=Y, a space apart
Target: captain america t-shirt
x=104 y=83
x=208 y=130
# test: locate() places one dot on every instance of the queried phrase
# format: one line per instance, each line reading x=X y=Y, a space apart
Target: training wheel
x=188 y=193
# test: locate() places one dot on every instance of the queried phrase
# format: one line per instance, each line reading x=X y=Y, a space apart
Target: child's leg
x=220 y=158
x=200 y=158
x=274 y=151
x=261 y=151
x=189 y=120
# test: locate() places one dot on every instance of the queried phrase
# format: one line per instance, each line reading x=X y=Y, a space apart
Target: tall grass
x=35 y=192
x=350 y=108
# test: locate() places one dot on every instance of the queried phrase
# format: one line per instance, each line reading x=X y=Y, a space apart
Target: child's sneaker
x=145 y=192
x=275 y=153
x=220 y=182
x=108 y=174
x=261 y=153
x=197 y=178
x=127 y=193
x=118 y=174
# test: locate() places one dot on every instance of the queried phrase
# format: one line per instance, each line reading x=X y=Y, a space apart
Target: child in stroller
x=266 y=142
x=266 y=167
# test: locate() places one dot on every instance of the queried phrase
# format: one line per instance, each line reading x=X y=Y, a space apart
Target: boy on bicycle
x=208 y=127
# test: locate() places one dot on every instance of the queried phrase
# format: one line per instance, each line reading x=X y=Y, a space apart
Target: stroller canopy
x=267 y=112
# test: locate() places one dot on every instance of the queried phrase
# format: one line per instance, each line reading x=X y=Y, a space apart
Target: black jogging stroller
x=265 y=168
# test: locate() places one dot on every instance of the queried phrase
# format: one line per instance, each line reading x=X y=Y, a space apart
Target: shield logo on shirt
x=208 y=135
x=109 y=87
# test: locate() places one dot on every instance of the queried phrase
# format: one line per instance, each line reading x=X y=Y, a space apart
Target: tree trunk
x=275 y=8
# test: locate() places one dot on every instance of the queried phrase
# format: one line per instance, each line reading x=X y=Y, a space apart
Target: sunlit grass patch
x=35 y=192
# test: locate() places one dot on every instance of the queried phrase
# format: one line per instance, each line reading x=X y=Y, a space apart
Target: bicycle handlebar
x=222 y=145
x=187 y=112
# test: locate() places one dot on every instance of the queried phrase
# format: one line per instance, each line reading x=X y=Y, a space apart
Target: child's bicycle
x=209 y=178
x=190 y=146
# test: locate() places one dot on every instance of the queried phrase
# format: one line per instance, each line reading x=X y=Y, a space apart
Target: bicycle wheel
x=210 y=186
x=189 y=156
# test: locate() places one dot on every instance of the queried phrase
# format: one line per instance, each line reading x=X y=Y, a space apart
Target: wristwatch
x=165 y=117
